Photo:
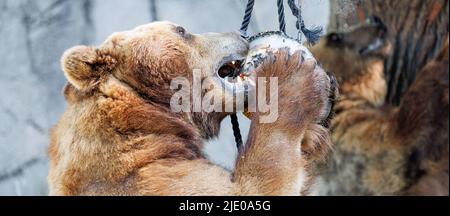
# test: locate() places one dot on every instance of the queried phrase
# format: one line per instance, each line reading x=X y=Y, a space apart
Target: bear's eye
x=335 y=38
x=181 y=31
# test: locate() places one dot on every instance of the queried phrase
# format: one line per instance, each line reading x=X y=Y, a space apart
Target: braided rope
x=236 y=131
x=247 y=18
x=281 y=16
x=244 y=27
x=296 y=12
x=312 y=35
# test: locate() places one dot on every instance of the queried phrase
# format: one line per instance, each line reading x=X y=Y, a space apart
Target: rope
x=312 y=35
x=247 y=18
x=281 y=16
x=244 y=27
x=236 y=131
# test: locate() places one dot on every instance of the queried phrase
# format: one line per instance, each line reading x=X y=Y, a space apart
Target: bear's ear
x=85 y=66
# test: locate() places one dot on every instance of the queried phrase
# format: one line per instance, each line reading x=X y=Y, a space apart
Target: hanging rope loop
x=281 y=16
x=244 y=28
x=247 y=18
x=312 y=35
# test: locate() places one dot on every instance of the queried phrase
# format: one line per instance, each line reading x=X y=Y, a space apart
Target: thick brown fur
x=119 y=136
x=418 y=31
x=378 y=149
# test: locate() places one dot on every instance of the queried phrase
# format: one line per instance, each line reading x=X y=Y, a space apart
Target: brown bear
x=417 y=32
x=378 y=149
x=119 y=135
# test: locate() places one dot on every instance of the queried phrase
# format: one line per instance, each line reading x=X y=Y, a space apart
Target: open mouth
x=232 y=76
x=231 y=69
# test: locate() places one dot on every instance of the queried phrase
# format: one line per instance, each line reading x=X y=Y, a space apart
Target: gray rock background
x=35 y=33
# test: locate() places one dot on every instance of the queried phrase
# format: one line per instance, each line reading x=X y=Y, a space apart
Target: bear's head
x=356 y=58
x=146 y=61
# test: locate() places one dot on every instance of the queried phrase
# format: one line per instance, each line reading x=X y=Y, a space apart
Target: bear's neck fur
x=362 y=79
x=369 y=84
x=114 y=125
